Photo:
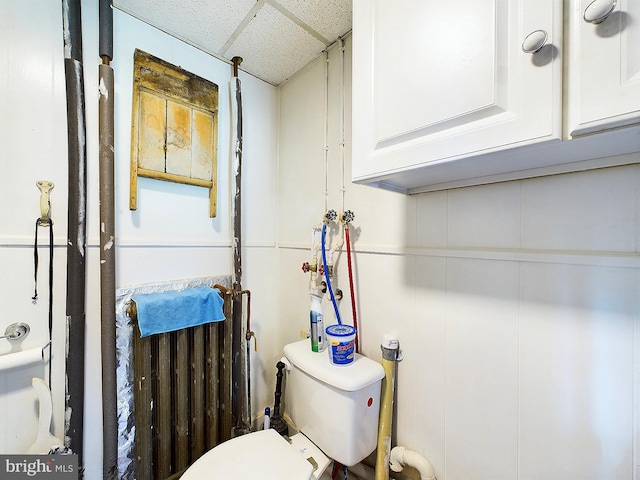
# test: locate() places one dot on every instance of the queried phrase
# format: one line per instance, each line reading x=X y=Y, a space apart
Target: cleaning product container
x=318 y=343
x=341 y=343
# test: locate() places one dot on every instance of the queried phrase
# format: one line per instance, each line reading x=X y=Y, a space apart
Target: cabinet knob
x=598 y=10
x=534 y=41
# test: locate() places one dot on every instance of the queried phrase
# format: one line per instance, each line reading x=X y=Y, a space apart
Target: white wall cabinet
x=444 y=94
x=603 y=66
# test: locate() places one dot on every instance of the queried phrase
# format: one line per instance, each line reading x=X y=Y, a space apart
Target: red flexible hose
x=336 y=467
x=353 y=297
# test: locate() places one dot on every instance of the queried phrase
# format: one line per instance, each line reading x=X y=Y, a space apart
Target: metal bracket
x=16 y=331
x=45 y=187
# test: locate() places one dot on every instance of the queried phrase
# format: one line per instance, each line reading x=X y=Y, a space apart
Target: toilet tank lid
x=360 y=373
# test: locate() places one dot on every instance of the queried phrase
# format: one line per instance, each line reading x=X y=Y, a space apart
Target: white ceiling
x=275 y=38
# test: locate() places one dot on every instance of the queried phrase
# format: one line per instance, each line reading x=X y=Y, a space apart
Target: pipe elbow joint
x=396 y=462
x=401 y=457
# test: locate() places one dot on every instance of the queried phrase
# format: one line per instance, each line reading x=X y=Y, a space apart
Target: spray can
x=267 y=418
x=318 y=343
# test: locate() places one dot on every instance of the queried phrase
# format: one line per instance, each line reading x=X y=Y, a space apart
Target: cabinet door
x=437 y=81
x=603 y=67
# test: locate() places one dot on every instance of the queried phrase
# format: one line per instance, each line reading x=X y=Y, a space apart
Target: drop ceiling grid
x=331 y=18
x=202 y=23
x=273 y=47
x=275 y=38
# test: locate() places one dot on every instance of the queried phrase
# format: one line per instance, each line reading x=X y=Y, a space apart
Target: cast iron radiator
x=182 y=394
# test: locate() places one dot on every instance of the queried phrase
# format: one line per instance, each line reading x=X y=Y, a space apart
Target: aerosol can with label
x=318 y=343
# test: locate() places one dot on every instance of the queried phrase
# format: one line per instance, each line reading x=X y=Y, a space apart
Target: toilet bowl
x=259 y=455
x=334 y=407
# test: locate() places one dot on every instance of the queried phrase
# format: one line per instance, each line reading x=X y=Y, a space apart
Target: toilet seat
x=305 y=447
x=261 y=455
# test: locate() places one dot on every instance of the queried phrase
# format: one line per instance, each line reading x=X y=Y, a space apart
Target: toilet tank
x=335 y=406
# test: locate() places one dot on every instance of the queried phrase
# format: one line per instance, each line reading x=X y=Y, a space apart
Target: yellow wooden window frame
x=174 y=127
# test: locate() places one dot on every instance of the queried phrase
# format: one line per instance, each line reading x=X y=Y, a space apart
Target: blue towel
x=169 y=311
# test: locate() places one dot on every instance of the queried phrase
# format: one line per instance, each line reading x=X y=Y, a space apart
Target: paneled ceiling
x=275 y=38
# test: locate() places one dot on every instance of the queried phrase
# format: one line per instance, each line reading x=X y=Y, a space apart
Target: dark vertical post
x=108 y=275
x=76 y=231
x=105 y=41
x=107 y=245
x=238 y=357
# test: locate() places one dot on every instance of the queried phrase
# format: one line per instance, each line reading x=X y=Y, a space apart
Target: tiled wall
x=524 y=329
x=516 y=305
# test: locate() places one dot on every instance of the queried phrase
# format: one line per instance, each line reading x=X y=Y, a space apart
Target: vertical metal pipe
x=238 y=367
x=76 y=231
x=107 y=244
x=105 y=14
x=390 y=354
x=108 y=273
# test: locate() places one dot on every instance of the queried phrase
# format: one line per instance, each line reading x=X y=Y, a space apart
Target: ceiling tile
x=273 y=47
x=330 y=18
x=205 y=24
x=276 y=38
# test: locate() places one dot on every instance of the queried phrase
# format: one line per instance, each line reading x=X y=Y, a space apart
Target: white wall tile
x=429 y=383
x=637 y=208
x=301 y=163
x=481 y=384
x=33 y=133
x=259 y=175
x=636 y=382
x=391 y=313
x=389 y=217
x=293 y=296
x=387 y=220
x=486 y=216
x=432 y=219
x=157 y=264
x=587 y=211
x=576 y=371
x=258 y=279
x=385 y=277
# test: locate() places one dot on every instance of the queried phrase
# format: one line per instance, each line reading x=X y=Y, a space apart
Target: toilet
x=334 y=409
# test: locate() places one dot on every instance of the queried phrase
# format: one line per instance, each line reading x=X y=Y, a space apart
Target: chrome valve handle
x=348 y=216
x=331 y=215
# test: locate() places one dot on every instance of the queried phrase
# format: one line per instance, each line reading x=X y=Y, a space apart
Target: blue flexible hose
x=327 y=276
